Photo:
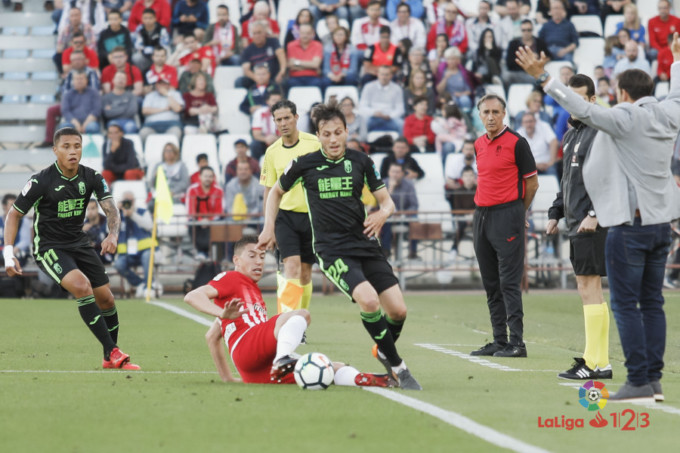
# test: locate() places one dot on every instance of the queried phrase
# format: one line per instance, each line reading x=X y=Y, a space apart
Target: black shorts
x=348 y=272
x=58 y=262
x=294 y=235
x=586 y=252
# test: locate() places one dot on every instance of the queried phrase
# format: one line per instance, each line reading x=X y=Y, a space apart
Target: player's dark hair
x=418 y=99
x=245 y=240
x=115 y=11
x=157 y=48
x=223 y=7
x=402 y=140
x=201 y=156
x=637 y=83
x=206 y=168
x=580 y=80
x=284 y=104
x=373 y=2
x=323 y=113
x=385 y=29
x=7 y=197
x=397 y=164
x=404 y=4
x=65 y=131
x=489 y=97
x=149 y=11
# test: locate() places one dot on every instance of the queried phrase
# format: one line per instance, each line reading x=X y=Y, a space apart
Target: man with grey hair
x=263 y=50
x=628 y=178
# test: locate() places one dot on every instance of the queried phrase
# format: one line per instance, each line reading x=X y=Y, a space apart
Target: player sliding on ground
x=263 y=350
x=59 y=194
x=345 y=239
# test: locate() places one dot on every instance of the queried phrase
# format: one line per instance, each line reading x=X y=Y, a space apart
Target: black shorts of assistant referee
x=58 y=262
x=498 y=237
x=347 y=272
x=294 y=235
x=586 y=252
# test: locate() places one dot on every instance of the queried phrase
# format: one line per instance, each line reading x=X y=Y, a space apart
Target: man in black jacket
x=586 y=243
x=120 y=159
x=401 y=154
x=515 y=74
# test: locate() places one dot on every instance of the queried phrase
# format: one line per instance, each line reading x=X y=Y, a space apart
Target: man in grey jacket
x=628 y=177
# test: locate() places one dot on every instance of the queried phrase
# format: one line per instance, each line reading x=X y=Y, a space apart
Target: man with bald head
x=632 y=60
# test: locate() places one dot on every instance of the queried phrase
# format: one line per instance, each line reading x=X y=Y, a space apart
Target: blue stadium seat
x=14 y=99
x=15 y=31
x=43 y=99
x=42 y=31
x=44 y=75
x=17 y=53
x=15 y=76
x=41 y=53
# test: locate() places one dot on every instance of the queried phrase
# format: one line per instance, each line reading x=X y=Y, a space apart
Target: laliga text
x=625 y=420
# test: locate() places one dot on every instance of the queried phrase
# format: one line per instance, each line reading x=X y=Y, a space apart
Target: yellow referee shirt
x=277 y=158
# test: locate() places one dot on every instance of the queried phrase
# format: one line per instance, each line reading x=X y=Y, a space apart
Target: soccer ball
x=314 y=371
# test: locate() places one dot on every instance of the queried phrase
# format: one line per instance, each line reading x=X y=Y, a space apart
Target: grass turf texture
x=178 y=402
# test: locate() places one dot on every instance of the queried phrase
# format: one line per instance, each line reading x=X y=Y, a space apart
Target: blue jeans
x=567 y=57
x=129 y=125
x=382 y=124
x=636 y=260
x=124 y=262
x=91 y=128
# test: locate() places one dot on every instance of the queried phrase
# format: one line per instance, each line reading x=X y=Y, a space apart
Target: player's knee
x=291 y=267
x=305 y=314
x=397 y=313
x=81 y=288
x=106 y=300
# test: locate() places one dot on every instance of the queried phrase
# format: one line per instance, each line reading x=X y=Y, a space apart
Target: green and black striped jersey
x=333 y=191
x=60 y=203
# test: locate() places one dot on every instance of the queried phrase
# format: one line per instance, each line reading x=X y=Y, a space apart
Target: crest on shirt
x=81 y=188
x=499 y=148
x=27 y=187
x=348 y=166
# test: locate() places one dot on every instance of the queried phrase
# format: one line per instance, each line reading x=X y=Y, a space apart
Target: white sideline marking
x=462 y=355
x=452 y=418
x=459 y=421
x=105 y=372
x=182 y=312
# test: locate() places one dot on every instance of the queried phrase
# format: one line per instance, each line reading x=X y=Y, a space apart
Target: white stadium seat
x=92 y=151
x=231 y=118
x=304 y=98
x=341 y=92
x=589 y=22
x=517 y=97
x=610 y=24
x=548 y=186
x=225 y=76
x=153 y=149
x=588 y=54
x=193 y=145
x=226 y=151
x=430 y=191
x=139 y=148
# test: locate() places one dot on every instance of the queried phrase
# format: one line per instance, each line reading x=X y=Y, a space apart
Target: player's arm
x=110 y=244
x=213 y=338
x=375 y=221
x=273 y=200
x=12 y=222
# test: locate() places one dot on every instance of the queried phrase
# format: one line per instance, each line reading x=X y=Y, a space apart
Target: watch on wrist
x=591 y=213
x=543 y=77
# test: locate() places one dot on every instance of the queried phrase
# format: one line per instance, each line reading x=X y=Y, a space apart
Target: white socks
x=290 y=336
x=346 y=376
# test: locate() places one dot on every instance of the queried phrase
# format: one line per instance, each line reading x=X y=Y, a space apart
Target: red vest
x=386 y=58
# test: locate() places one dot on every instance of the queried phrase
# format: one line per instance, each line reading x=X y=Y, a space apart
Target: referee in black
x=506 y=185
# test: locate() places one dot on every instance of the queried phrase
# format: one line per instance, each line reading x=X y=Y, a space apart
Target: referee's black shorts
x=586 y=252
x=58 y=262
x=347 y=272
x=294 y=235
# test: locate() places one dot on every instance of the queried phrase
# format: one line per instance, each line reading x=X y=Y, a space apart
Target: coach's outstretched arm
x=267 y=239
x=12 y=266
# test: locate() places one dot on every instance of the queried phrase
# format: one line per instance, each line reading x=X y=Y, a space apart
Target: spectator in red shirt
x=262 y=12
x=222 y=36
x=664 y=60
x=162 y=8
x=452 y=26
x=305 y=56
x=191 y=49
x=160 y=70
x=201 y=161
x=200 y=107
x=204 y=202
x=118 y=58
x=78 y=44
x=417 y=126
x=661 y=27
x=382 y=53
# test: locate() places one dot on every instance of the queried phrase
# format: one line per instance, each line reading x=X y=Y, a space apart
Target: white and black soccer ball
x=314 y=371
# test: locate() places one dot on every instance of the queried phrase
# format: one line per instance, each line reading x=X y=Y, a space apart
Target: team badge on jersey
x=27 y=187
x=57 y=268
x=106 y=186
x=81 y=188
x=348 y=166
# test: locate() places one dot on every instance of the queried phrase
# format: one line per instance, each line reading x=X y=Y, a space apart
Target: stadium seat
x=375 y=135
x=588 y=54
x=517 y=97
x=341 y=92
x=138 y=188
x=430 y=191
x=231 y=118
x=195 y=144
x=13 y=99
x=305 y=97
x=44 y=75
x=15 y=76
x=378 y=159
x=139 y=148
x=610 y=24
x=553 y=67
x=92 y=151
x=28 y=42
x=15 y=31
x=46 y=30
x=587 y=23
x=42 y=53
x=226 y=151
x=548 y=186
x=27 y=112
x=17 y=53
x=153 y=148
x=662 y=89
x=177 y=228
x=225 y=76
x=43 y=99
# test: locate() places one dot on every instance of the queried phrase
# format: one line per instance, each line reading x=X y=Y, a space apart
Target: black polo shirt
x=503 y=163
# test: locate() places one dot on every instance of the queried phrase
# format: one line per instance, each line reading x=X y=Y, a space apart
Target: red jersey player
x=263 y=350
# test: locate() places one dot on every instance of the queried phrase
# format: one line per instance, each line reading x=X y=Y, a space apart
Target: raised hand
x=527 y=60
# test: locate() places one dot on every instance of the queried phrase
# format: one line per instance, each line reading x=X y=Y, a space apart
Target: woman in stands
x=632 y=23
x=418 y=87
x=486 y=64
x=293 y=33
x=356 y=124
x=175 y=172
x=436 y=55
x=340 y=64
x=454 y=79
x=200 y=107
x=534 y=105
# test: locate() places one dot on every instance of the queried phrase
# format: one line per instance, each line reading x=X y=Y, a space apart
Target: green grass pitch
x=55 y=397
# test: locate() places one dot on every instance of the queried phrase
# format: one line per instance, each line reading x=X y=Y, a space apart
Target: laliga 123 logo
x=593 y=395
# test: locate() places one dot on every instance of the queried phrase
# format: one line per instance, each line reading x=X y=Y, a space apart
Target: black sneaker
x=658 y=393
x=282 y=367
x=489 y=349
x=381 y=358
x=578 y=371
x=407 y=381
x=512 y=350
x=603 y=373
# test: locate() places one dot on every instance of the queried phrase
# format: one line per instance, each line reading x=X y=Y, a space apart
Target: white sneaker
x=157 y=288
x=140 y=292
x=453 y=254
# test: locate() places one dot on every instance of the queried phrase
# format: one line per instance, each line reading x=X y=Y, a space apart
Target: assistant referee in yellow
x=292 y=228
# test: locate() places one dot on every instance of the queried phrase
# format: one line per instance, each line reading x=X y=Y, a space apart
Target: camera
x=127 y=204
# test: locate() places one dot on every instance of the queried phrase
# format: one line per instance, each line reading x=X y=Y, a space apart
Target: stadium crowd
x=412 y=72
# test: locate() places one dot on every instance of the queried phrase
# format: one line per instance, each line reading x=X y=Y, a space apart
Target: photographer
x=134 y=243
